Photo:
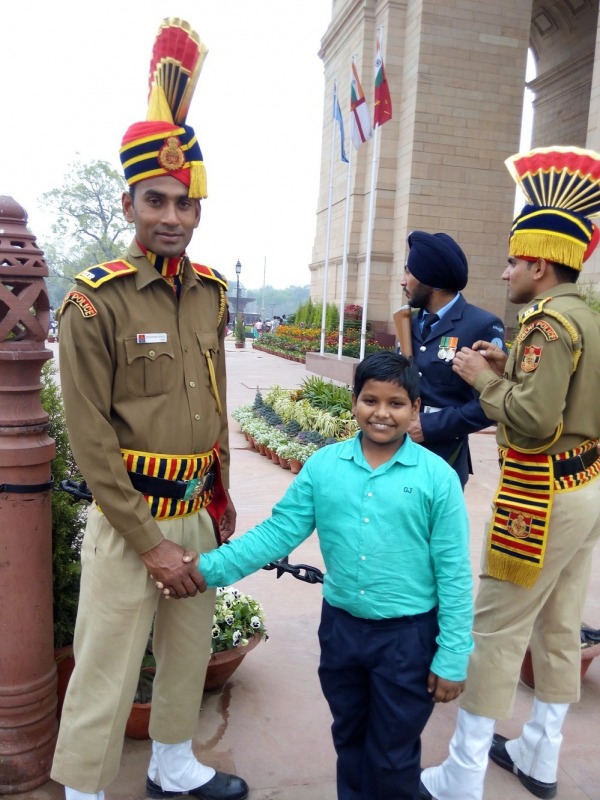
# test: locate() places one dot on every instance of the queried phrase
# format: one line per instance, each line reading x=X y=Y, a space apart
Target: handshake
x=169 y=593
x=174 y=570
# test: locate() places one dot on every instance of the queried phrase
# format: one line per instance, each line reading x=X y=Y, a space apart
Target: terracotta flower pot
x=587 y=656
x=138 y=721
x=295 y=465
x=261 y=449
x=221 y=666
x=284 y=463
x=274 y=457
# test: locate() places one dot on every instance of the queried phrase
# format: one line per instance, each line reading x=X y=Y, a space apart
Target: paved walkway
x=270 y=722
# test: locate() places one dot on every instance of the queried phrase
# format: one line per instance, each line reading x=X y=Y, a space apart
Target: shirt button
x=185 y=349
x=362 y=591
x=192 y=384
x=197 y=416
x=369 y=494
x=366 y=519
x=151 y=353
x=363 y=558
x=422 y=348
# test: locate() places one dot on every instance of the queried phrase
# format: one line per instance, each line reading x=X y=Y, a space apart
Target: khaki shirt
x=539 y=390
x=154 y=397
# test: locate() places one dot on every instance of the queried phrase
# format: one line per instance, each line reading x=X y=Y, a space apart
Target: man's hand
x=227 y=523
x=443 y=691
x=494 y=355
x=415 y=431
x=167 y=566
x=468 y=364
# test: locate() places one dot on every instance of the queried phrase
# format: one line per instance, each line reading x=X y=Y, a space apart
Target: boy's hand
x=443 y=691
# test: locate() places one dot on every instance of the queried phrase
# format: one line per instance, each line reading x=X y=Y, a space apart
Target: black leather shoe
x=499 y=755
x=424 y=793
x=220 y=787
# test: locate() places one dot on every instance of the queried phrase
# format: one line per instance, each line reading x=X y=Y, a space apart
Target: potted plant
x=299 y=452
x=238 y=626
x=240 y=332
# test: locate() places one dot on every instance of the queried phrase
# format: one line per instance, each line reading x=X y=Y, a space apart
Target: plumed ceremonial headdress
x=164 y=144
x=562 y=185
x=435 y=259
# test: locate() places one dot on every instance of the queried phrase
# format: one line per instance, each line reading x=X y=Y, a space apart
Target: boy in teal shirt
x=395 y=629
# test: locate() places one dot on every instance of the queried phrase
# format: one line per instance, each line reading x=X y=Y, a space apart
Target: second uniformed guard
x=546 y=513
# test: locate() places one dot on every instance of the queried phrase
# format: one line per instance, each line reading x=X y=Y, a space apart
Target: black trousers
x=373 y=674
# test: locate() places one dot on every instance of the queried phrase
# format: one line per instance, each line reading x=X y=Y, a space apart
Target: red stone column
x=27 y=669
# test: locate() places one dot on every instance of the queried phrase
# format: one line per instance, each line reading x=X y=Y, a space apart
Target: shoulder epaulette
x=96 y=276
x=207 y=272
x=533 y=311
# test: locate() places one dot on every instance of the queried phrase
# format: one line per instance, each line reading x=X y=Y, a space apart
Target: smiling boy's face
x=383 y=411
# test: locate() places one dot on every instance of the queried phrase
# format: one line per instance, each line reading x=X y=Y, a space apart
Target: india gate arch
x=456 y=71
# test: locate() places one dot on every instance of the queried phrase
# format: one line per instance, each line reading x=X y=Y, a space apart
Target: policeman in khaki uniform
x=546 y=513
x=143 y=379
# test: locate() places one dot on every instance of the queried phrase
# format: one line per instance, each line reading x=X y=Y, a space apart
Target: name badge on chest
x=447 y=347
x=150 y=338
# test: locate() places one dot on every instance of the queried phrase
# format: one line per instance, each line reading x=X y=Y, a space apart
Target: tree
x=89 y=226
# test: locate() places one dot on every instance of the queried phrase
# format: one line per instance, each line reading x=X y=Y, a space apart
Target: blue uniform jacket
x=446 y=432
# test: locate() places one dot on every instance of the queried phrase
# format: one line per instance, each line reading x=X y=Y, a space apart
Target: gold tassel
x=505 y=568
x=551 y=246
x=197 y=180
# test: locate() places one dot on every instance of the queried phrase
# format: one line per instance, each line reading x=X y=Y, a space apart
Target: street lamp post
x=238 y=269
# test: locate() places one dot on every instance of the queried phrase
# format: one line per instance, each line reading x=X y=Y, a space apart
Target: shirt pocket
x=209 y=343
x=150 y=367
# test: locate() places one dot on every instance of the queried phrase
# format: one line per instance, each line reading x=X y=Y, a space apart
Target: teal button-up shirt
x=395 y=540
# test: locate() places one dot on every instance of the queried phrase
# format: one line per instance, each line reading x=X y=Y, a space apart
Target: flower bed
x=295 y=423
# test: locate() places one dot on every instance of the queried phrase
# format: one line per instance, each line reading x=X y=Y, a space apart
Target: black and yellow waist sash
x=523 y=503
x=173 y=485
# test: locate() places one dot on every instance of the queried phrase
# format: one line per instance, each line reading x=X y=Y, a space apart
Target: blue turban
x=436 y=260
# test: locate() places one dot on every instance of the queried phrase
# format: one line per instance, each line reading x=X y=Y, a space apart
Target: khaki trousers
x=117 y=604
x=508 y=616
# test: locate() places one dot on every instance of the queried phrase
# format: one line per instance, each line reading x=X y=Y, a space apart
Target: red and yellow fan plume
x=559 y=177
x=177 y=58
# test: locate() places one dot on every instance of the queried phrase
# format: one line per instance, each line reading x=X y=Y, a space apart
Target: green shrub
x=68 y=516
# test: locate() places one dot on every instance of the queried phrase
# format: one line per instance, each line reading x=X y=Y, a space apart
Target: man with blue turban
x=435 y=273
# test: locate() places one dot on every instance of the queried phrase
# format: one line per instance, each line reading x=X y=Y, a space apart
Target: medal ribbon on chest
x=447 y=347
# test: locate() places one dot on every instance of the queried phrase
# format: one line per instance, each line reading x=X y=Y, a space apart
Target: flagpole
x=363 y=326
x=328 y=232
x=382 y=111
x=343 y=287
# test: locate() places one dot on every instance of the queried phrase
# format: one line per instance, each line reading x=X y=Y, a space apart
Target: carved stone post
x=27 y=669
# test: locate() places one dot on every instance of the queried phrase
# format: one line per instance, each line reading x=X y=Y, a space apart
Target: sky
x=75 y=76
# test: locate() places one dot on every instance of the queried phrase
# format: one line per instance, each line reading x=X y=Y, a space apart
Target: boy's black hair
x=391 y=368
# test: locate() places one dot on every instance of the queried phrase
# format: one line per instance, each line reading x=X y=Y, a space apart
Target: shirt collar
x=406 y=454
x=444 y=309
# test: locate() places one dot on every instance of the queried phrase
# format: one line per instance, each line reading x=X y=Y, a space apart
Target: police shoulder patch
x=83 y=303
x=541 y=325
x=207 y=272
x=96 y=276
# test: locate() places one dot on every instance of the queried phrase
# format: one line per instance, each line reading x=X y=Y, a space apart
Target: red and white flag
x=360 y=116
x=382 y=111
